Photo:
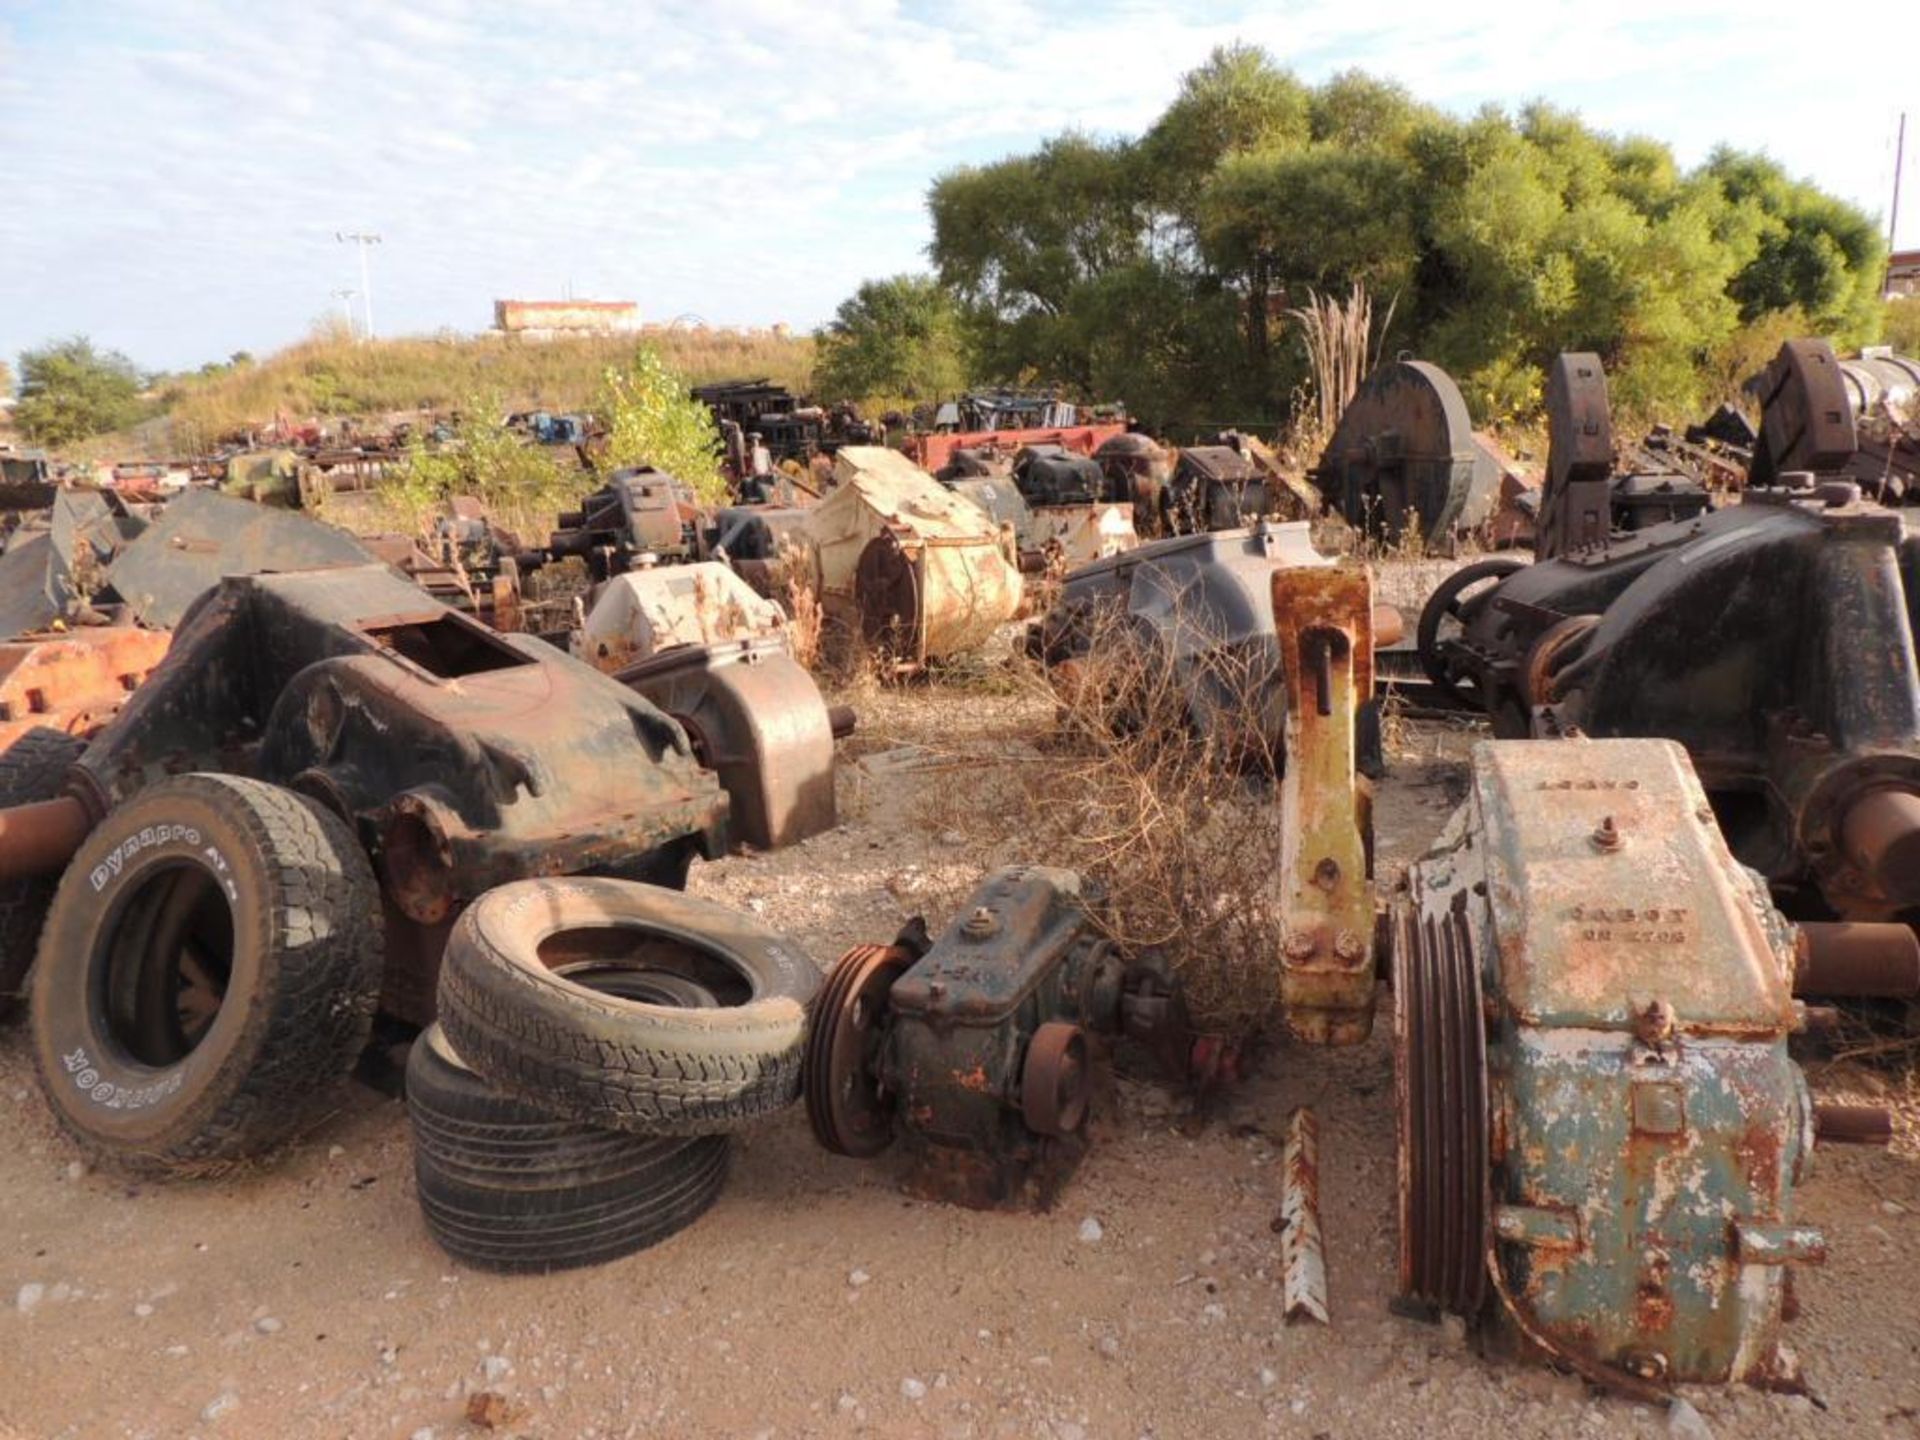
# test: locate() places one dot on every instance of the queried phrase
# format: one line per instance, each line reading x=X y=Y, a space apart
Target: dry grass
x=1099 y=771
x=331 y=375
x=1338 y=336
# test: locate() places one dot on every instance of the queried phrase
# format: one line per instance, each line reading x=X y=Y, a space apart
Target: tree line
x=1158 y=269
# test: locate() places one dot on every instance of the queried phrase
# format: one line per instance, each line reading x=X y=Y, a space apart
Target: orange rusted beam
x=1323 y=625
x=73 y=682
x=39 y=839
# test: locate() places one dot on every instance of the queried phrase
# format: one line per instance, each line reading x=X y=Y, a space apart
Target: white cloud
x=177 y=192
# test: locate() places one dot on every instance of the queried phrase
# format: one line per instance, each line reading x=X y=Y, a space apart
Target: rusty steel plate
x=1576 y=504
x=845 y=1104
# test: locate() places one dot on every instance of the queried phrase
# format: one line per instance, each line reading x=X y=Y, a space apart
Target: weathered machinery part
x=1197 y=611
x=33 y=768
x=1576 y=505
x=203 y=537
x=1052 y=475
x=1881 y=833
x=1449 y=611
x=1549 y=655
x=1601 y=1124
x=1004 y=503
x=978 y=1059
x=463 y=758
x=1303 y=1256
x=846 y=1104
x=1403 y=457
x=39 y=838
x=1775 y=640
x=940 y=584
x=1806 y=417
x=888 y=586
x=639 y=511
x=1137 y=470
x=654 y=608
x=73 y=682
x=1323 y=625
x=1858 y=960
x=1880 y=378
x=1440 y=1076
x=1056 y=1079
x=1852 y=1124
x=755 y=717
x=1214 y=487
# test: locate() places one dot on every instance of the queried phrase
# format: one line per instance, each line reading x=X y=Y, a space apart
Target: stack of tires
x=599 y=1042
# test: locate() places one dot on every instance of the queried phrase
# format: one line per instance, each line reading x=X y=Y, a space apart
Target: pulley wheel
x=1447 y=614
x=849 y=1111
x=1055 y=1080
x=1549 y=655
x=1440 y=1072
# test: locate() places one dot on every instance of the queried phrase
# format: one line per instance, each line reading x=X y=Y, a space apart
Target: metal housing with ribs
x=1601 y=1129
x=462 y=758
x=1774 y=640
x=974 y=1052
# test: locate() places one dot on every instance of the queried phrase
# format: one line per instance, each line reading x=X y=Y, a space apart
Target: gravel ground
x=307 y=1300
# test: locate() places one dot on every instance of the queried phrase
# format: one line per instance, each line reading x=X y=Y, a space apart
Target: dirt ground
x=308 y=1301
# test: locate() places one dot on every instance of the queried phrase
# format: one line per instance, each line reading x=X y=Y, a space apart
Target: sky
x=175 y=172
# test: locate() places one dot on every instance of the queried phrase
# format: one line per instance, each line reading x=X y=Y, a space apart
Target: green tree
x=652 y=419
x=69 y=390
x=519 y=482
x=1162 y=264
x=898 y=338
x=1808 y=249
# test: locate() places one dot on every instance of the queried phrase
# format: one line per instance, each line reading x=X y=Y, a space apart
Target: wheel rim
x=614 y=959
x=846 y=1104
x=164 y=964
x=1446 y=616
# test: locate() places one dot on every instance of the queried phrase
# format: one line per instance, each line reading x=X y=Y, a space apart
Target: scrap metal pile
x=261 y=781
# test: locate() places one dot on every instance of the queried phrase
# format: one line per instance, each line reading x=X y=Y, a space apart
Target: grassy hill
x=333 y=375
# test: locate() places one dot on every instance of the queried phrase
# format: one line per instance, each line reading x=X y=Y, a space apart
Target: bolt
x=1348 y=946
x=1300 y=945
x=1606 y=835
x=981 y=923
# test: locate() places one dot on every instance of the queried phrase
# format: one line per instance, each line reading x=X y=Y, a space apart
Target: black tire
x=605 y=1060
x=505 y=1186
x=1450 y=602
x=209 y=969
x=32 y=769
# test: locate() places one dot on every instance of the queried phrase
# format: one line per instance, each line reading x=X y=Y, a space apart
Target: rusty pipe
x=39 y=839
x=1389 y=626
x=1854 y=959
x=1852 y=1124
x=841 y=720
x=1881 y=833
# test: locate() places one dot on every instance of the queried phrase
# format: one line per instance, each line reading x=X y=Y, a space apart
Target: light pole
x=363 y=239
x=345 y=297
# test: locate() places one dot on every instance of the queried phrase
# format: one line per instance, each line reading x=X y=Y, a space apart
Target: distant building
x=1903 y=273
x=554 y=319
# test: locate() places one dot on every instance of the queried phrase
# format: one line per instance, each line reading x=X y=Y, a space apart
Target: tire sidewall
x=88 y=1072
x=508 y=925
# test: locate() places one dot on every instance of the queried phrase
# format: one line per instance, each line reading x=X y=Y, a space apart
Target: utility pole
x=1893 y=217
x=345 y=297
x=362 y=239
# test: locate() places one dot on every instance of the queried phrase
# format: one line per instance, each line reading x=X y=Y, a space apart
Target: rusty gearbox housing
x=975 y=1052
x=1601 y=1129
